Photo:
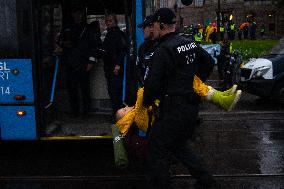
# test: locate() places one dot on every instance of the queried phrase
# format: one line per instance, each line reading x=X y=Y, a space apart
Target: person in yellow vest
x=198 y=37
x=222 y=32
x=232 y=28
x=207 y=30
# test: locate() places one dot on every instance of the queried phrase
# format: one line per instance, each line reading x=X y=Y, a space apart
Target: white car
x=264 y=76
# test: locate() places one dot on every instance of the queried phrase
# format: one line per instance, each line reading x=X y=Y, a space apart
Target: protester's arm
x=121 y=49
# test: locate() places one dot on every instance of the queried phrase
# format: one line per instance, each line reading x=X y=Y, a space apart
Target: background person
x=79 y=53
x=115 y=48
x=145 y=50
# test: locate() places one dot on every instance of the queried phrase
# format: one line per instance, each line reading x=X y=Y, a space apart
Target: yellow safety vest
x=198 y=37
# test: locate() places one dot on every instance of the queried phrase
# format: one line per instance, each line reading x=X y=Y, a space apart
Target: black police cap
x=148 y=21
x=164 y=15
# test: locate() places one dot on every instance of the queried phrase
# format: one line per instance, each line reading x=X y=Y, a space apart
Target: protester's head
x=147 y=26
x=164 y=20
x=110 y=20
x=122 y=112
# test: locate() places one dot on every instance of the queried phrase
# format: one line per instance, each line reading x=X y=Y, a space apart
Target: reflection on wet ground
x=250 y=146
x=244 y=147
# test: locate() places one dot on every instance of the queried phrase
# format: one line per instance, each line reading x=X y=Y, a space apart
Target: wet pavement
x=242 y=148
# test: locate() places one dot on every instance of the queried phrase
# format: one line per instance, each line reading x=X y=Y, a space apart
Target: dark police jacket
x=175 y=62
x=80 y=47
x=115 y=47
x=144 y=58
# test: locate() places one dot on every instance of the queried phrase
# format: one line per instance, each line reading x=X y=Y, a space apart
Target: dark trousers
x=114 y=86
x=221 y=60
x=169 y=137
x=78 y=81
x=222 y=36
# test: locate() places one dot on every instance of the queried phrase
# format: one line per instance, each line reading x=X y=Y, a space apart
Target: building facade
x=263 y=12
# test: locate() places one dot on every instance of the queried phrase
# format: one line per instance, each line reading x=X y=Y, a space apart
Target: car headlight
x=259 y=72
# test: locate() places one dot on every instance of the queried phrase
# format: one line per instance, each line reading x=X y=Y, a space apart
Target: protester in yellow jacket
x=139 y=115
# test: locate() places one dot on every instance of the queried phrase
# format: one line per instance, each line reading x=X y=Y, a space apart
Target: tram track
x=241 y=115
x=131 y=177
x=251 y=181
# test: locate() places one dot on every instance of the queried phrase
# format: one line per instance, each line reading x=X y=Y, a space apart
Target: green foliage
x=253 y=48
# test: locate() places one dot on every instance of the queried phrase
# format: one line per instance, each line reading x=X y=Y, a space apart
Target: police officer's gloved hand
x=92 y=61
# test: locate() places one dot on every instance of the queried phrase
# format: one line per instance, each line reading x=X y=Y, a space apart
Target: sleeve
x=121 y=48
x=205 y=64
x=139 y=70
x=94 y=43
x=154 y=84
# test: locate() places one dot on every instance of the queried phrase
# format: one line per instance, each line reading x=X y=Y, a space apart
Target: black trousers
x=169 y=137
x=78 y=82
x=114 y=86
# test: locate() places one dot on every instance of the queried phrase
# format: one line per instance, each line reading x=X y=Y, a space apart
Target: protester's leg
x=202 y=89
x=225 y=102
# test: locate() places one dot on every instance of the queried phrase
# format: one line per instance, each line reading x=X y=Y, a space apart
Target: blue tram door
x=17 y=55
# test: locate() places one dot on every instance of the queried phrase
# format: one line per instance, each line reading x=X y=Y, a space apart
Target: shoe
x=230 y=91
x=226 y=102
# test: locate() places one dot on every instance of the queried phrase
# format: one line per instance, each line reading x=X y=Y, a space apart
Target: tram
x=33 y=93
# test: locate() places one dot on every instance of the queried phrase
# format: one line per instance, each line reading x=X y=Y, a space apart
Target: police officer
x=79 y=53
x=145 y=51
x=222 y=32
x=115 y=47
x=175 y=62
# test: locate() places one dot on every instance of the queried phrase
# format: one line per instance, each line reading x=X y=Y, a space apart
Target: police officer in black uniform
x=145 y=51
x=175 y=62
x=115 y=48
x=79 y=46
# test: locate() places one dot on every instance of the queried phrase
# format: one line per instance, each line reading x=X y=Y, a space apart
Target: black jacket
x=115 y=47
x=80 y=46
x=175 y=62
x=144 y=59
